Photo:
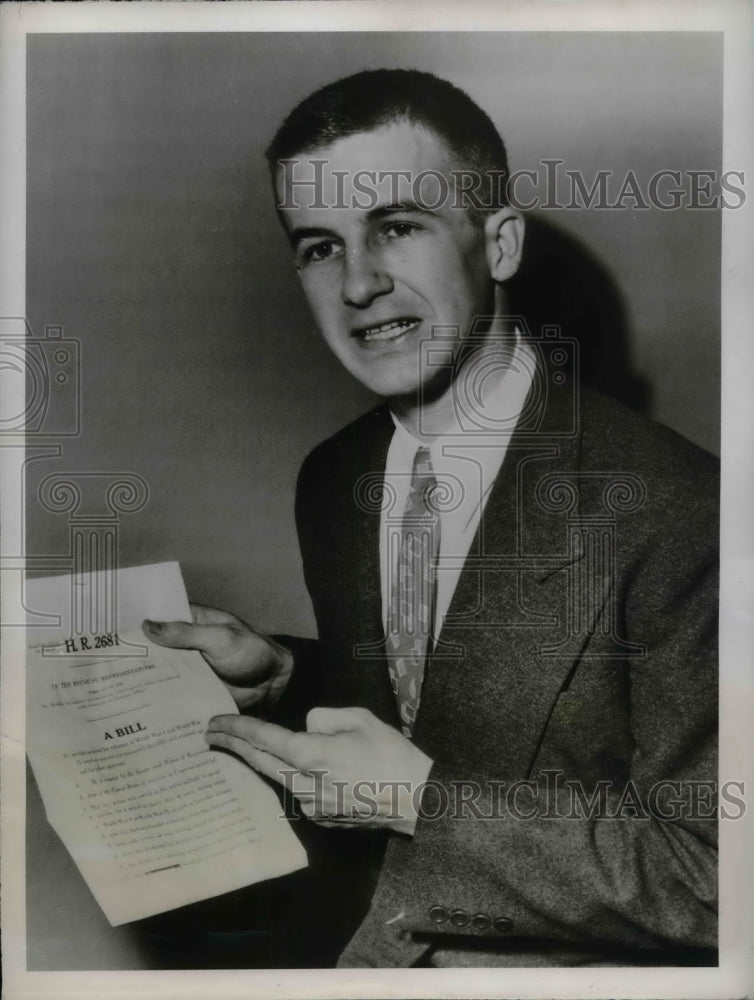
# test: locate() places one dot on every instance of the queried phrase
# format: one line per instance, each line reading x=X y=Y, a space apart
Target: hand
x=348 y=769
x=253 y=667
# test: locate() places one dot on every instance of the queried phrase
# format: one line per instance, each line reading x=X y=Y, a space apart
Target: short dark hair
x=372 y=98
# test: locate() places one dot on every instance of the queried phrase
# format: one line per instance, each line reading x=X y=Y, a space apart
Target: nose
x=364 y=278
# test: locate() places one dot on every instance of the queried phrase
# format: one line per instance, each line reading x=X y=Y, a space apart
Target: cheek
x=468 y=288
x=435 y=272
x=479 y=289
x=459 y=271
x=476 y=266
x=322 y=293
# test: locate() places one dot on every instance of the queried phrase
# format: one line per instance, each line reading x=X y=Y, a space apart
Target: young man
x=514 y=580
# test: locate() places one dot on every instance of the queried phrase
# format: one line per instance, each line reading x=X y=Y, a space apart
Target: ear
x=504 y=242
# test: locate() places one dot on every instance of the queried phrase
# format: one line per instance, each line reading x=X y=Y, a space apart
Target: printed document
x=152 y=816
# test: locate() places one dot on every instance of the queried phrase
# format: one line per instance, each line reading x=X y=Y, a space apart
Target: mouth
x=390 y=331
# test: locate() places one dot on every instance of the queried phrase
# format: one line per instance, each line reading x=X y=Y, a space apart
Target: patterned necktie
x=412 y=568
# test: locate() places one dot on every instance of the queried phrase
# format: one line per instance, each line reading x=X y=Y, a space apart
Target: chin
x=387 y=382
x=403 y=385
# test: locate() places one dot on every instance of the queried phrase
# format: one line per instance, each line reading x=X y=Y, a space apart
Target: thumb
x=210 y=639
x=329 y=721
x=202 y=615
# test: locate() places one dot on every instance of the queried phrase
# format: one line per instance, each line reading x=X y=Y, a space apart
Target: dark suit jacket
x=579 y=648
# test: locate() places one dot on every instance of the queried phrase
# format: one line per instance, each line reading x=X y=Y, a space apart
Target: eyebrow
x=399 y=208
x=299 y=233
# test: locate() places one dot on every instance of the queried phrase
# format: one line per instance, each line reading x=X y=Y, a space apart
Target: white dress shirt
x=466 y=459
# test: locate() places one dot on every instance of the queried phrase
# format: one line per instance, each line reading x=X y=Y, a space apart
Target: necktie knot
x=422 y=462
x=420 y=501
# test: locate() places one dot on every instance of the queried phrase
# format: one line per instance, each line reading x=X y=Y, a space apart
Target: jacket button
x=503 y=924
x=459 y=918
x=481 y=922
x=438 y=914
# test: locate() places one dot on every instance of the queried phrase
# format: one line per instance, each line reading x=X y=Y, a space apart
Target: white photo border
x=733 y=977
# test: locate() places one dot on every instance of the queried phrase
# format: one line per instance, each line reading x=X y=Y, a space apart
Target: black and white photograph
x=369 y=380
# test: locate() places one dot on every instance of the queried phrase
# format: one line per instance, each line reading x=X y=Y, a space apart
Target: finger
x=250 y=698
x=274 y=768
x=313 y=811
x=329 y=721
x=330 y=824
x=214 y=640
x=280 y=742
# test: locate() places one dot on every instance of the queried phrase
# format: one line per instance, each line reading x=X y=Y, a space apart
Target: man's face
x=378 y=268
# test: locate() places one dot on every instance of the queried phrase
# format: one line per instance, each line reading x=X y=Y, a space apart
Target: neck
x=436 y=412
x=428 y=418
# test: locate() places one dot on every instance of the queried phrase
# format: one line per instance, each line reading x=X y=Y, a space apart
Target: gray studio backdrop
x=152 y=240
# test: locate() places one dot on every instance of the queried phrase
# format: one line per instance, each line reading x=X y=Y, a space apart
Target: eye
x=320 y=251
x=399 y=230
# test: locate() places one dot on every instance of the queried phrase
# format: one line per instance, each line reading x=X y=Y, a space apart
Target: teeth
x=388 y=331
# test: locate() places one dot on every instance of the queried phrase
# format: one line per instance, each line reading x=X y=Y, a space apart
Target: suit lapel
x=363 y=678
x=510 y=606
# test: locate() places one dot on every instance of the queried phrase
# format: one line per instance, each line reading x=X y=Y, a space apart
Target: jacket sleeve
x=636 y=869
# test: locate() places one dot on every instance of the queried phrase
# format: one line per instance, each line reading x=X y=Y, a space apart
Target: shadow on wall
x=561 y=283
